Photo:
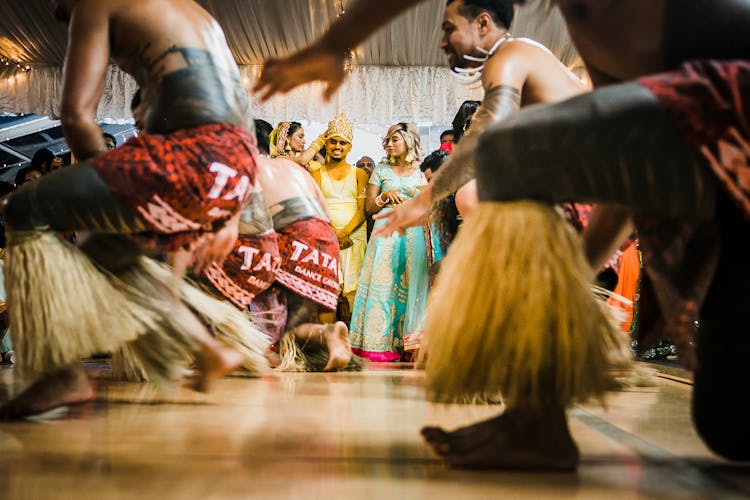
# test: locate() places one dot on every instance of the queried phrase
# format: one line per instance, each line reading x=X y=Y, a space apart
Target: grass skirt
x=513 y=313
x=224 y=321
x=63 y=307
x=308 y=358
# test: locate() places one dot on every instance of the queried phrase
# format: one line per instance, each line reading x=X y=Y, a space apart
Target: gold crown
x=340 y=127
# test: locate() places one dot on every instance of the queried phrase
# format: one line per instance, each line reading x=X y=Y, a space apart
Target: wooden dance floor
x=338 y=436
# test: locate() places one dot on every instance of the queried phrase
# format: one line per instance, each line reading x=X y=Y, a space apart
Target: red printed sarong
x=706 y=101
x=310 y=261
x=185 y=183
x=249 y=270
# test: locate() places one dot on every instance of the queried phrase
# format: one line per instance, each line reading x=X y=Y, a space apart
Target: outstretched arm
x=324 y=59
x=499 y=103
x=86 y=64
x=307 y=155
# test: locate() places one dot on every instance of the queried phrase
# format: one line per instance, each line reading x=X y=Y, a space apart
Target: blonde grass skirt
x=513 y=313
x=229 y=325
x=63 y=307
x=310 y=358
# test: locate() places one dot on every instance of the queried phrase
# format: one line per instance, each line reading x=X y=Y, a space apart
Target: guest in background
x=44 y=161
x=109 y=141
x=368 y=165
x=27 y=174
x=343 y=187
x=394 y=281
x=446 y=141
x=288 y=140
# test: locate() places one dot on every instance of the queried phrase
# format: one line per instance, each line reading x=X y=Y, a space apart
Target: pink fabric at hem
x=377 y=356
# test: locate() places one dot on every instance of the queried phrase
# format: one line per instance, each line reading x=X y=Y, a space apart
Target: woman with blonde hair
x=394 y=281
x=288 y=140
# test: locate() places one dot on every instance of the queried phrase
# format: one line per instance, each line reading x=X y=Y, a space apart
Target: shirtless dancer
x=671 y=149
x=179 y=193
x=284 y=269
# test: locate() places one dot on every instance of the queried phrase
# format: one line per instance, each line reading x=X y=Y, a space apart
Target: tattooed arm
x=499 y=102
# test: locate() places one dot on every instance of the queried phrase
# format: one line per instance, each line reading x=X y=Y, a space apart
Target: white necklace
x=467 y=76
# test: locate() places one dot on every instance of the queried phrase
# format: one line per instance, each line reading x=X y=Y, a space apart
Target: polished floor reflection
x=337 y=436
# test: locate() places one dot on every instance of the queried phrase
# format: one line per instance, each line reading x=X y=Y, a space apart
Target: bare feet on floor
x=213 y=363
x=339 y=348
x=65 y=387
x=273 y=358
x=517 y=439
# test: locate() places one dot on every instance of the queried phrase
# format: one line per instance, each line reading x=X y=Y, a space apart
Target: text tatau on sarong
x=310 y=261
x=704 y=100
x=249 y=270
x=185 y=183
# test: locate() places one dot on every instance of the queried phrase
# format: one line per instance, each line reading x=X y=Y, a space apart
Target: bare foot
x=339 y=348
x=517 y=439
x=68 y=386
x=214 y=362
x=273 y=358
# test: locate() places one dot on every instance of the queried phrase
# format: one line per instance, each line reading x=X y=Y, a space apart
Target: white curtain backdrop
x=400 y=73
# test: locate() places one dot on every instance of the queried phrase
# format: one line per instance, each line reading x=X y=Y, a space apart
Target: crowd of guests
x=385 y=282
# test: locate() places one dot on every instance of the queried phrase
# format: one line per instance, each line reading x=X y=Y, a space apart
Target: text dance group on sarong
x=176 y=221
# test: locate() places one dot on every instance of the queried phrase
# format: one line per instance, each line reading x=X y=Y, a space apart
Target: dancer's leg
x=613 y=146
x=70 y=199
x=66 y=386
x=721 y=396
x=520 y=438
x=334 y=337
x=118 y=254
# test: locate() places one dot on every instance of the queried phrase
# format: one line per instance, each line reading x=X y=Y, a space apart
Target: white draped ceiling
x=400 y=73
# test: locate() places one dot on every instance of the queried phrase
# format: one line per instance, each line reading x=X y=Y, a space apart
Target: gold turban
x=340 y=127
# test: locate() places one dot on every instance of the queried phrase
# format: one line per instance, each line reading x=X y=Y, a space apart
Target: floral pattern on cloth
x=183 y=184
x=391 y=297
x=706 y=101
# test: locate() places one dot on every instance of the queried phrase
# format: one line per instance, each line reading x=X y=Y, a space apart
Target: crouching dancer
x=284 y=271
x=177 y=189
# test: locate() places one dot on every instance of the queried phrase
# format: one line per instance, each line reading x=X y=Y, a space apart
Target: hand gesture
x=211 y=247
x=393 y=197
x=408 y=214
x=315 y=63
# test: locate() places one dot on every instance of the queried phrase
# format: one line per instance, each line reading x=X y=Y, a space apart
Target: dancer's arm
x=86 y=64
x=324 y=59
x=499 y=102
x=307 y=155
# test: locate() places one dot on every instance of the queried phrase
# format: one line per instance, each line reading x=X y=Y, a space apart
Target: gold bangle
x=318 y=144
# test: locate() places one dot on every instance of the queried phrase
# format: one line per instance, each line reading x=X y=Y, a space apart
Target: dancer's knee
x=509 y=161
x=115 y=253
x=723 y=428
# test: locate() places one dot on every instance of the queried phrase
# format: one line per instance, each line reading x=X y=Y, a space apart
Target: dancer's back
x=622 y=39
x=175 y=50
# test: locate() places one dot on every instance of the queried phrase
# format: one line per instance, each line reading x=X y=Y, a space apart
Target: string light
x=13 y=64
x=350 y=63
